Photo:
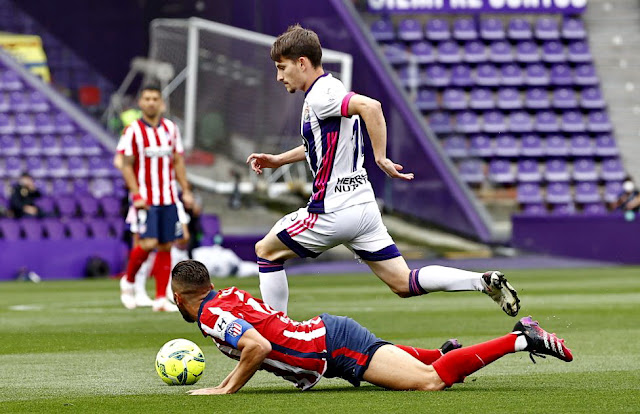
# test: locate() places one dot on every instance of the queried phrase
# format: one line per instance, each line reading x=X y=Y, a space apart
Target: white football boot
x=127 y=293
x=163 y=305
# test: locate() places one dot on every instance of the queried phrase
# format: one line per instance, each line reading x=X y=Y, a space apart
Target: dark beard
x=185 y=315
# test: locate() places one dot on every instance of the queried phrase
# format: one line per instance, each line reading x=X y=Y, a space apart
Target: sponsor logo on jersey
x=346 y=184
x=156 y=152
x=234 y=329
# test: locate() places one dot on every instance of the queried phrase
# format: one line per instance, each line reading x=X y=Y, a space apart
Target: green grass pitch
x=70 y=347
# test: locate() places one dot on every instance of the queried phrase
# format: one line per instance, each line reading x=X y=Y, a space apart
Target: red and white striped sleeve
x=177 y=146
x=125 y=144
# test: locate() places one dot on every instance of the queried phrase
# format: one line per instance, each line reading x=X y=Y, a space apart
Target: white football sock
x=521 y=343
x=275 y=289
x=448 y=279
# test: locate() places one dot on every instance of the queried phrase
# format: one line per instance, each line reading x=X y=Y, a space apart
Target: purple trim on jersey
x=356 y=150
x=330 y=133
x=314 y=82
x=307 y=134
x=387 y=253
x=344 y=108
x=414 y=285
x=294 y=246
x=268 y=266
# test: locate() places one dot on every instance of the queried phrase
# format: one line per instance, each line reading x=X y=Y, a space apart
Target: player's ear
x=212 y=286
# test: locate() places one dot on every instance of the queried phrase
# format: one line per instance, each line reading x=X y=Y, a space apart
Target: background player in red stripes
x=153 y=161
x=248 y=330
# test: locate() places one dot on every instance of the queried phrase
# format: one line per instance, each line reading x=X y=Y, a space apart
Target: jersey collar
x=149 y=125
x=314 y=82
x=206 y=299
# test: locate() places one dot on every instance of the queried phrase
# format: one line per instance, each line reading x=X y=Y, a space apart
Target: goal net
x=227 y=99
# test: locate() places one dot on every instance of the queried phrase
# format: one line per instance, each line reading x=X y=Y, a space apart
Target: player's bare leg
x=406 y=282
x=274 y=287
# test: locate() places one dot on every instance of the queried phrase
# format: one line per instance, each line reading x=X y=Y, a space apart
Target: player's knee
x=400 y=290
x=148 y=244
x=264 y=251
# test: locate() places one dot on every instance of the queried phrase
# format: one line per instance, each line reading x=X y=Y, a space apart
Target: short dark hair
x=295 y=43
x=191 y=276
x=25 y=174
x=151 y=87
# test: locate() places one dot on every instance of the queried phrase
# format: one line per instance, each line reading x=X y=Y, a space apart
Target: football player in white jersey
x=342 y=207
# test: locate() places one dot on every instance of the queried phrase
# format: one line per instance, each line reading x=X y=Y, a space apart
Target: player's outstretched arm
x=370 y=111
x=258 y=161
x=254 y=349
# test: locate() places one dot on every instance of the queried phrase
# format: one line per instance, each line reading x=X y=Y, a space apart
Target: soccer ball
x=180 y=362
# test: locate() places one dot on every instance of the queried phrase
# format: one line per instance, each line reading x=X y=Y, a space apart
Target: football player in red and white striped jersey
x=152 y=161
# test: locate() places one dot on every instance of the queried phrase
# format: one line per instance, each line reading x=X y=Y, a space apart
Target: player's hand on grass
x=393 y=170
x=208 y=391
x=260 y=161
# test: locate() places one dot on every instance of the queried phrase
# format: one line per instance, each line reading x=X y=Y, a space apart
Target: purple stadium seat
x=77 y=229
x=546 y=29
x=511 y=75
x=13 y=167
x=461 y=76
x=500 y=52
x=50 y=145
x=423 y=52
x=454 y=99
x=578 y=52
x=45 y=205
x=491 y=29
x=537 y=98
x=500 y=172
x=519 y=29
x=553 y=52
x=9 y=145
x=573 y=29
x=37 y=102
x=561 y=75
x=598 y=121
x=382 y=30
x=101 y=187
x=475 y=52
x=35 y=166
x=63 y=124
x=77 y=167
x=32 y=228
x=427 y=100
x=531 y=146
x=395 y=53
x=481 y=98
x=487 y=75
x=587 y=192
x=591 y=98
x=90 y=145
x=612 y=190
x=612 y=170
x=471 y=171
x=110 y=206
x=481 y=146
x=54 y=229
x=455 y=147
x=4 y=102
x=509 y=98
x=10 y=81
x=556 y=169
x=506 y=146
x=410 y=30
x=520 y=122
x=10 y=229
x=585 y=75
x=534 y=209
x=56 y=167
x=67 y=206
x=572 y=121
x=494 y=122
x=529 y=193
x=529 y=172
x=556 y=146
x=536 y=75
x=527 y=52
x=594 y=209
x=465 y=29
x=547 y=122
x=564 y=98
x=44 y=123
x=6 y=124
x=80 y=186
x=584 y=169
x=70 y=145
x=558 y=193
x=606 y=146
x=449 y=52
x=436 y=76
x=18 y=101
x=407 y=76
x=440 y=123
x=467 y=122
x=563 y=209
x=29 y=146
x=437 y=30
x=581 y=146
x=100 y=229
x=24 y=124
x=99 y=166
x=88 y=206
x=60 y=186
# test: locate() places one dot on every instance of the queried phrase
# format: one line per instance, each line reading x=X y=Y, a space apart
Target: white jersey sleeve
x=331 y=100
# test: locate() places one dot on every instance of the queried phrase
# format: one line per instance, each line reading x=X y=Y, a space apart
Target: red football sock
x=426 y=356
x=137 y=256
x=162 y=271
x=454 y=366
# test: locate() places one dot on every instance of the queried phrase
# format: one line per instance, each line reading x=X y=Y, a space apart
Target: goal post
x=226 y=97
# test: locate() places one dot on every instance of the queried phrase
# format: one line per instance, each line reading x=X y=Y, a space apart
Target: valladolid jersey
x=334 y=148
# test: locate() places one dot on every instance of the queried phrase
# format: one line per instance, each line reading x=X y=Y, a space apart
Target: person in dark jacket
x=23 y=198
